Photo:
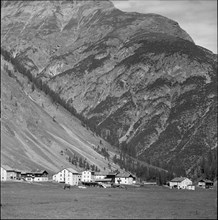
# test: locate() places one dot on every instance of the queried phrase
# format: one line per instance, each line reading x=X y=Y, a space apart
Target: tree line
x=144 y=173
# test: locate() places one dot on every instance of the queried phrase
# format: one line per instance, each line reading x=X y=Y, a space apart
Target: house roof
x=112 y=173
x=206 y=181
x=178 y=179
x=71 y=170
x=38 y=171
x=100 y=174
x=125 y=174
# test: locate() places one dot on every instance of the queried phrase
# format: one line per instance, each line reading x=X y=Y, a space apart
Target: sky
x=197 y=17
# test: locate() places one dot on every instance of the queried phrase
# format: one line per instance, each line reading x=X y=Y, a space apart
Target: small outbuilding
x=205 y=183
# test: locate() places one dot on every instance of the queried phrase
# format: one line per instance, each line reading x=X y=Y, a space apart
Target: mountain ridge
x=137 y=80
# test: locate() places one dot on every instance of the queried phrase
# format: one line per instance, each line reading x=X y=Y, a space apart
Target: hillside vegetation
x=136 y=80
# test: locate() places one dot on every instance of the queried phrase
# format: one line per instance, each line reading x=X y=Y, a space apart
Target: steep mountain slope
x=38 y=134
x=136 y=79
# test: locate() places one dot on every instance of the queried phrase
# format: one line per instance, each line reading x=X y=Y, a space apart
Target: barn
x=205 y=183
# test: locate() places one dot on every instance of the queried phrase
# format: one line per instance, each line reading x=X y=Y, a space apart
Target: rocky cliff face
x=137 y=79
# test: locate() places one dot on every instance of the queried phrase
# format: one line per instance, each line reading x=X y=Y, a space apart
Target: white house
x=68 y=176
x=40 y=176
x=3 y=174
x=180 y=183
x=88 y=176
x=125 y=178
x=7 y=173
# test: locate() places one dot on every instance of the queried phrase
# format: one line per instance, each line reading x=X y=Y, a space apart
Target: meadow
x=22 y=200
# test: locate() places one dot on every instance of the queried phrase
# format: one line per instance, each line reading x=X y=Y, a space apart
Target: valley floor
x=21 y=200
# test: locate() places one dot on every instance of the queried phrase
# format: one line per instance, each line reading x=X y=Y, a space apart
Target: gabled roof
x=38 y=171
x=205 y=180
x=178 y=179
x=125 y=174
x=71 y=170
x=100 y=174
x=122 y=176
x=113 y=173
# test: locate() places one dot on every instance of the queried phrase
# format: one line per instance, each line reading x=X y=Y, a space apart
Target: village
x=88 y=178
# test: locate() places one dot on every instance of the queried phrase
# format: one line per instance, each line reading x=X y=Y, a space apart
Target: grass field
x=21 y=200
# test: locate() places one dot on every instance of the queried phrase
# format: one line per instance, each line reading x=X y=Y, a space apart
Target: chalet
x=125 y=178
x=88 y=176
x=205 y=184
x=180 y=183
x=28 y=176
x=7 y=173
x=68 y=176
x=37 y=175
x=40 y=176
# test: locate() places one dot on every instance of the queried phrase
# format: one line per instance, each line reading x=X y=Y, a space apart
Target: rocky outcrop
x=136 y=78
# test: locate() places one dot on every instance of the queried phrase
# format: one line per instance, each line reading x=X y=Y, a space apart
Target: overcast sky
x=197 y=17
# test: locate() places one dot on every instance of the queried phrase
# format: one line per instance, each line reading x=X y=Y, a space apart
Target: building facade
x=206 y=184
x=88 y=176
x=7 y=173
x=180 y=183
x=100 y=176
x=3 y=174
x=124 y=179
x=68 y=176
x=40 y=176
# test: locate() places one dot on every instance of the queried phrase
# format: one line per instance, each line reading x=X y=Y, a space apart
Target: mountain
x=137 y=80
x=37 y=134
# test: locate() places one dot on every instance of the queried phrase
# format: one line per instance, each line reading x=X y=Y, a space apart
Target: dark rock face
x=137 y=78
